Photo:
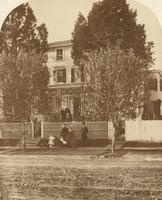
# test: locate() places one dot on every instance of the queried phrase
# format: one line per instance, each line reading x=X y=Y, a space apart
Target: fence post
x=108 y=130
x=32 y=129
x=4 y=193
x=125 y=131
x=23 y=136
x=42 y=130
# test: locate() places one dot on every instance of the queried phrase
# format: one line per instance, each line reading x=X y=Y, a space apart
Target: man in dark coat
x=84 y=132
x=62 y=115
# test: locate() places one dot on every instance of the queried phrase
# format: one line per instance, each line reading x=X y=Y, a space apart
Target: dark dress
x=64 y=133
x=68 y=117
x=62 y=114
x=84 y=132
x=71 y=139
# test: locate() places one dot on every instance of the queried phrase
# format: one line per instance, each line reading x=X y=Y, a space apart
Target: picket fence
x=96 y=130
x=141 y=131
x=15 y=130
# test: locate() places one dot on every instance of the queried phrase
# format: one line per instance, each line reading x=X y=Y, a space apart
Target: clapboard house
x=65 y=85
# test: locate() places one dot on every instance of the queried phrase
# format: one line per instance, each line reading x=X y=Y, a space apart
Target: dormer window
x=59 y=54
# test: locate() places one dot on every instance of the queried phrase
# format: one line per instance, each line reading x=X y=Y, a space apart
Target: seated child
x=51 y=141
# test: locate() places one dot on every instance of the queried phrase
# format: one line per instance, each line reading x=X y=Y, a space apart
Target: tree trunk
x=114 y=137
x=113 y=144
x=23 y=138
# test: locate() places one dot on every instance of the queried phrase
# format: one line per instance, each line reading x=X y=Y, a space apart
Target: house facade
x=65 y=85
x=153 y=110
x=155 y=85
x=67 y=89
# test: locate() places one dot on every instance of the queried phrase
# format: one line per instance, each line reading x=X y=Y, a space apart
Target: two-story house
x=153 y=109
x=155 y=87
x=66 y=87
x=64 y=84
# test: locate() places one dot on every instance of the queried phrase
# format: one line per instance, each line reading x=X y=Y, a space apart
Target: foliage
x=80 y=37
x=115 y=84
x=109 y=21
x=23 y=71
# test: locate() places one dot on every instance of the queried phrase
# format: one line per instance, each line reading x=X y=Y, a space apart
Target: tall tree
x=115 y=85
x=108 y=22
x=23 y=71
x=111 y=50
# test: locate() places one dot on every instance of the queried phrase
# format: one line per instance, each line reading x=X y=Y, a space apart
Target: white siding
x=143 y=131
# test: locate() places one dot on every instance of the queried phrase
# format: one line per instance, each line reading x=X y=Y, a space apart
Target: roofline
x=60 y=43
x=156 y=70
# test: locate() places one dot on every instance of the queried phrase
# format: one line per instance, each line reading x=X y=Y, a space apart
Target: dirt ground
x=65 y=177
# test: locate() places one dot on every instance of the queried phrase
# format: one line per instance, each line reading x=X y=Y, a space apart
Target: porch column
x=42 y=131
x=158 y=84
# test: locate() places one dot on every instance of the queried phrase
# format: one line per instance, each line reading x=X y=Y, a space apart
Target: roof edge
x=60 y=43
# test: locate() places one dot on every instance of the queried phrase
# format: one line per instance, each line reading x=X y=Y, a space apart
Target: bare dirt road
x=79 y=177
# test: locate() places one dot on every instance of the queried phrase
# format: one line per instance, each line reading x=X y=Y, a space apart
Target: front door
x=76 y=108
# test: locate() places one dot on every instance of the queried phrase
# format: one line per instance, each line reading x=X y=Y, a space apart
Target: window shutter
x=72 y=75
x=64 y=75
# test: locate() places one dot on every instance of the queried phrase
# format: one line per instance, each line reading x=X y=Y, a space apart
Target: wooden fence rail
x=15 y=130
x=96 y=130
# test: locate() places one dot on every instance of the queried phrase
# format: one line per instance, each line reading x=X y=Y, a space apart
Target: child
x=51 y=141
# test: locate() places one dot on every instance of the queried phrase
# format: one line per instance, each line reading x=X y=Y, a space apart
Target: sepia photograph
x=80 y=100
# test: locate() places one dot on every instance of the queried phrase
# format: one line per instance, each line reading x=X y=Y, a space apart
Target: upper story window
x=75 y=75
x=59 y=54
x=59 y=75
x=152 y=84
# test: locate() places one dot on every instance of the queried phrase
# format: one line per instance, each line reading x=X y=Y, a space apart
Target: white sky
x=60 y=16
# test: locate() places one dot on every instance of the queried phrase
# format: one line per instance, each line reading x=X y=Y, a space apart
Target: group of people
x=65 y=115
x=68 y=138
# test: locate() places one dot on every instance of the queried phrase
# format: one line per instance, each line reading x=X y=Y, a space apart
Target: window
x=67 y=102
x=59 y=76
x=75 y=73
x=59 y=54
x=152 y=84
x=55 y=104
